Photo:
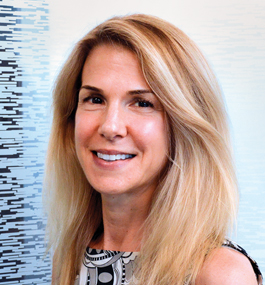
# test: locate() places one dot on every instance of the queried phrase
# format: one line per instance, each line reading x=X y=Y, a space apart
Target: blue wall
x=24 y=86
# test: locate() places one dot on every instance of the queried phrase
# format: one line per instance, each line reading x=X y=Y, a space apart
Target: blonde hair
x=195 y=203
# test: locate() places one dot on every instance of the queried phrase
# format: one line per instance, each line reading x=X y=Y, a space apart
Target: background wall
x=24 y=97
x=37 y=40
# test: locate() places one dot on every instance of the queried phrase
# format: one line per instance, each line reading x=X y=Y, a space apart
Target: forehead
x=108 y=63
x=104 y=54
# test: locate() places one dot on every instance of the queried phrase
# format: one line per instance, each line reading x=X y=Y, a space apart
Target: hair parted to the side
x=196 y=201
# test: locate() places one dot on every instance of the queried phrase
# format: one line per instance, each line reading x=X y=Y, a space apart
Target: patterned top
x=106 y=267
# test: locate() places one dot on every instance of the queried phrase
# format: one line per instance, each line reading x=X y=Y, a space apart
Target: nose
x=113 y=123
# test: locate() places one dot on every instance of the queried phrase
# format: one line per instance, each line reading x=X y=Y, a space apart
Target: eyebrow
x=92 y=88
x=132 y=92
x=140 y=91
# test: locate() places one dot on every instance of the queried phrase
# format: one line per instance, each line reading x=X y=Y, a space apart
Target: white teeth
x=113 y=157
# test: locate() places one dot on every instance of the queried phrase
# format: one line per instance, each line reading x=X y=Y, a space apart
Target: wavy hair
x=195 y=204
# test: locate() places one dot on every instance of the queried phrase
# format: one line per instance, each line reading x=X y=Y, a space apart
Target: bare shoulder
x=226 y=266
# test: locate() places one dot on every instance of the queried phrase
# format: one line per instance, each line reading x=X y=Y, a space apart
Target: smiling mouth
x=113 y=157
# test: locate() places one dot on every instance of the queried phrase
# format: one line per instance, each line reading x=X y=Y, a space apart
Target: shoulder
x=225 y=266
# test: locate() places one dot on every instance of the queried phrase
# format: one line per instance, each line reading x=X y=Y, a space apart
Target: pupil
x=97 y=100
x=143 y=104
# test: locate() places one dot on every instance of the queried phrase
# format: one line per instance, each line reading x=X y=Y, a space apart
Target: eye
x=96 y=100
x=93 y=100
x=144 y=103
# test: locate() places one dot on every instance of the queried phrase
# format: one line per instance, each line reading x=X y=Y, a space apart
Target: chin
x=110 y=191
x=109 y=188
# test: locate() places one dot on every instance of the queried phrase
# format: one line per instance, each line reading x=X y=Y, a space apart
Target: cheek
x=153 y=133
x=78 y=132
x=82 y=129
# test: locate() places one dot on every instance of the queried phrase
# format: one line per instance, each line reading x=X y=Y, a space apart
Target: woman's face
x=120 y=127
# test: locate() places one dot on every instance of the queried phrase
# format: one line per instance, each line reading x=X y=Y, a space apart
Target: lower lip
x=110 y=165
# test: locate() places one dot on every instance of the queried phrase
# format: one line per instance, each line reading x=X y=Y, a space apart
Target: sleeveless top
x=106 y=267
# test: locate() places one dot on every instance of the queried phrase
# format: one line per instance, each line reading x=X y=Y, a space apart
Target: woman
x=140 y=184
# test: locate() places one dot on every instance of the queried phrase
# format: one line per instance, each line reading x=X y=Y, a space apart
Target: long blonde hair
x=195 y=203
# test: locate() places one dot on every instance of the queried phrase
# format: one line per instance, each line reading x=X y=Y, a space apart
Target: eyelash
x=139 y=100
x=95 y=97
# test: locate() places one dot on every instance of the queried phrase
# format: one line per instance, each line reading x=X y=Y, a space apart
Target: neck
x=123 y=220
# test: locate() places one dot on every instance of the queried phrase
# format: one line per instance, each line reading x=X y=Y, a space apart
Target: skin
x=226 y=267
x=118 y=113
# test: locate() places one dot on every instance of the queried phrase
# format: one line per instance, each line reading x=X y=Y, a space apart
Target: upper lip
x=111 y=152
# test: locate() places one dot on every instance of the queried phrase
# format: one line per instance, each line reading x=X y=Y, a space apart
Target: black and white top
x=106 y=267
